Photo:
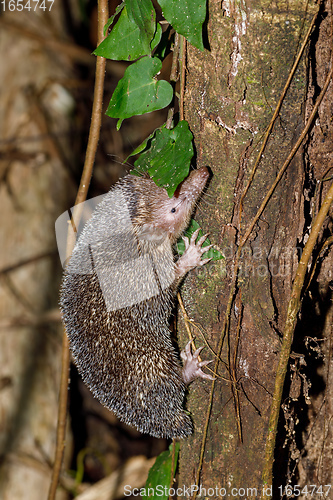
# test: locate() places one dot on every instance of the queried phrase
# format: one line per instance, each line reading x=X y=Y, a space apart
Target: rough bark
x=312 y=372
x=232 y=91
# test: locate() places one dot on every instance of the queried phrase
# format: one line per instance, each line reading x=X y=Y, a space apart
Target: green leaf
x=125 y=43
x=186 y=17
x=110 y=20
x=161 y=473
x=169 y=157
x=211 y=254
x=157 y=37
x=142 y=13
x=138 y=92
x=140 y=148
x=164 y=44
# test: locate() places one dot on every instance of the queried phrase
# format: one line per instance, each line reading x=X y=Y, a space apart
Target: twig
x=172 y=466
x=73 y=51
x=211 y=394
x=233 y=286
x=70 y=50
x=289 y=158
x=174 y=75
x=47 y=318
x=325 y=245
x=25 y=262
x=293 y=310
x=232 y=371
x=175 y=60
x=182 y=76
x=277 y=110
x=81 y=196
x=186 y=318
x=188 y=329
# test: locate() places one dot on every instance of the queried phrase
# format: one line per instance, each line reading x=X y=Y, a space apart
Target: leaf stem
x=294 y=305
x=81 y=196
x=182 y=76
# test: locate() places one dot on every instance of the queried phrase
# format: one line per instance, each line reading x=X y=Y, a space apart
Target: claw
x=191 y=258
x=192 y=366
x=202 y=239
x=195 y=235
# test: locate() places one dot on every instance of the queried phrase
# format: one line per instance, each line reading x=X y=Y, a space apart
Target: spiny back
x=116 y=299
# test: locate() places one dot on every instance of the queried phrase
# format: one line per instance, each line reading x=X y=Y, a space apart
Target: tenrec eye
x=118 y=328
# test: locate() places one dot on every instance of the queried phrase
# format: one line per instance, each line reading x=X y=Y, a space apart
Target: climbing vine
x=136 y=36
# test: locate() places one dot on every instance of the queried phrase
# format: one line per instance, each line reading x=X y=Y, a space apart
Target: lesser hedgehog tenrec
x=116 y=300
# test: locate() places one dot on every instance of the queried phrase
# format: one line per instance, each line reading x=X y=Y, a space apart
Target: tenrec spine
x=125 y=355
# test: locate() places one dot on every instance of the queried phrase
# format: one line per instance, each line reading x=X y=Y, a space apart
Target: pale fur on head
x=117 y=297
x=157 y=216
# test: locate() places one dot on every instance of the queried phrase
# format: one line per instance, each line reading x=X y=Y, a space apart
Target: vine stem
x=277 y=109
x=173 y=460
x=233 y=286
x=289 y=158
x=182 y=76
x=293 y=310
x=96 y=120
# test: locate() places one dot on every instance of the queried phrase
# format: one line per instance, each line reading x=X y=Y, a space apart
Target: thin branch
x=174 y=75
x=172 y=476
x=73 y=51
x=324 y=247
x=189 y=322
x=292 y=314
x=175 y=60
x=233 y=286
x=186 y=318
x=81 y=196
x=277 y=110
x=25 y=262
x=23 y=320
x=232 y=371
x=289 y=158
x=211 y=394
x=182 y=76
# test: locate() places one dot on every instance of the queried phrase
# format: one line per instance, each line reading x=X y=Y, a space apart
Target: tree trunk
x=231 y=93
